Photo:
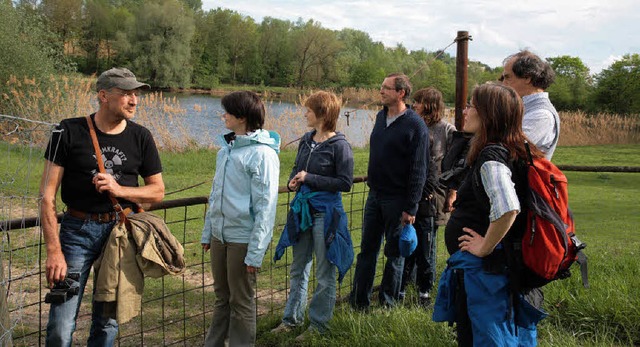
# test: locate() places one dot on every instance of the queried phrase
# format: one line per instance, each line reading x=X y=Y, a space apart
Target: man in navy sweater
x=399 y=148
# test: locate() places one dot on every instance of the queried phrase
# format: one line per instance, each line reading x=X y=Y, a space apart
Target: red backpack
x=549 y=244
x=541 y=245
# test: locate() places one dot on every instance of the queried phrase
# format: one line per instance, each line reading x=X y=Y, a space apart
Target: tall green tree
x=572 y=85
x=242 y=39
x=194 y=5
x=104 y=35
x=356 y=64
x=64 y=17
x=160 y=43
x=618 y=86
x=29 y=48
x=315 y=49
x=275 y=51
x=202 y=75
x=216 y=26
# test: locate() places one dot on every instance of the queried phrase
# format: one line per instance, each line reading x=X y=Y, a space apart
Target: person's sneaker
x=401 y=295
x=307 y=334
x=424 y=299
x=282 y=328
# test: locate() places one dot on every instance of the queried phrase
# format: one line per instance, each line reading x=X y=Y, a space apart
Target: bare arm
x=56 y=265
x=483 y=246
x=152 y=191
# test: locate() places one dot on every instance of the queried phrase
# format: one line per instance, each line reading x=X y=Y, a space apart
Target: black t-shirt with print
x=126 y=156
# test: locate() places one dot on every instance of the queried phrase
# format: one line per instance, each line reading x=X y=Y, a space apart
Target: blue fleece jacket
x=488 y=304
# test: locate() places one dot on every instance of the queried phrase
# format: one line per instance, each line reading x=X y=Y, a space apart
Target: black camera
x=64 y=290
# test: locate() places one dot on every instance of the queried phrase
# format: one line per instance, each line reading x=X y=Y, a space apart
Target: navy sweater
x=397 y=158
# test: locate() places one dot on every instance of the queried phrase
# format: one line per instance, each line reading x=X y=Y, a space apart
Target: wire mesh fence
x=176 y=310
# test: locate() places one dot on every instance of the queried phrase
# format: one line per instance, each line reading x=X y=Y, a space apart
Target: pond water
x=202 y=118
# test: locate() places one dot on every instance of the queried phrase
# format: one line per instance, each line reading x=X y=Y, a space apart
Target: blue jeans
x=82 y=242
x=324 y=297
x=381 y=219
x=421 y=265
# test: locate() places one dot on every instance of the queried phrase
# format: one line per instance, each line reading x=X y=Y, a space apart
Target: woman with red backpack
x=475 y=289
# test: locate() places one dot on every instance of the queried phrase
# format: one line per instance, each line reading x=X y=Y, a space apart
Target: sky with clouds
x=597 y=31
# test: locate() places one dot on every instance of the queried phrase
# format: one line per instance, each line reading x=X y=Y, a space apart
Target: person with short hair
x=475 y=290
x=323 y=169
x=530 y=76
x=420 y=267
x=397 y=171
x=239 y=222
x=128 y=151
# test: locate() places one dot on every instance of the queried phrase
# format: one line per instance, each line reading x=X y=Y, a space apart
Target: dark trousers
x=381 y=219
x=420 y=267
x=464 y=332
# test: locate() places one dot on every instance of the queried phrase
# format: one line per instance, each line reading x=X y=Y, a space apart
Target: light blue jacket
x=244 y=195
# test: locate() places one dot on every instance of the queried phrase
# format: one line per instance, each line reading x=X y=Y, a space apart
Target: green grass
x=605 y=207
x=607 y=217
x=605 y=155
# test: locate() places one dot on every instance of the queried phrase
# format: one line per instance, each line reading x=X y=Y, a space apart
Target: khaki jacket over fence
x=147 y=249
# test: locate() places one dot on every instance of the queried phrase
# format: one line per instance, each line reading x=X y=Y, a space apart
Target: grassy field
x=607 y=314
x=607 y=217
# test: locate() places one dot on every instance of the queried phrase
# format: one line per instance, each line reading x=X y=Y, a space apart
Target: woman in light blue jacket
x=239 y=222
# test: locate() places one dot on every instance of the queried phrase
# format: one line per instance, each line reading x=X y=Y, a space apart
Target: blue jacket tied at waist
x=488 y=303
x=336 y=234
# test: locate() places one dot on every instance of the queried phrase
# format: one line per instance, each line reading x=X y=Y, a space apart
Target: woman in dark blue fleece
x=317 y=223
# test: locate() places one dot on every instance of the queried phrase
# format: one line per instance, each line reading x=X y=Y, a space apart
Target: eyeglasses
x=129 y=93
x=468 y=106
x=387 y=87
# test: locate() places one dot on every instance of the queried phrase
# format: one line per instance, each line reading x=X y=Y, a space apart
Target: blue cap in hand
x=408 y=240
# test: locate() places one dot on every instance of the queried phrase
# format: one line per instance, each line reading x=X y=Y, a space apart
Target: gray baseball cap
x=119 y=77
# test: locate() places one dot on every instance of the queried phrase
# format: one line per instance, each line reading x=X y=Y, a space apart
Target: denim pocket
x=70 y=224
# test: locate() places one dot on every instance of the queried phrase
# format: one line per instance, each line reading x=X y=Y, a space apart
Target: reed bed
x=578 y=128
x=361 y=96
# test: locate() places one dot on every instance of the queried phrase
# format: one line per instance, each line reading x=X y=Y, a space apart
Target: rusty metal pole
x=462 y=63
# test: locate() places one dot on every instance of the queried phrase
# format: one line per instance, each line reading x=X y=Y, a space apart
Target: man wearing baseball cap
x=127 y=150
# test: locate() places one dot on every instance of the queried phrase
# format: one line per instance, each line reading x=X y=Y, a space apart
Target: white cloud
x=593 y=30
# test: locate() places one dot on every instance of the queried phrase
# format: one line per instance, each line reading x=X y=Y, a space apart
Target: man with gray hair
x=530 y=76
x=128 y=151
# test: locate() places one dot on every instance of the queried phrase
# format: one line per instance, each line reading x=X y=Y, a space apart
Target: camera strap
x=96 y=146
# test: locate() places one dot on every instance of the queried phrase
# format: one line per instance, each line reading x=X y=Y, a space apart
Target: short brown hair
x=433 y=103
x=326 y=107
x=401 y=82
